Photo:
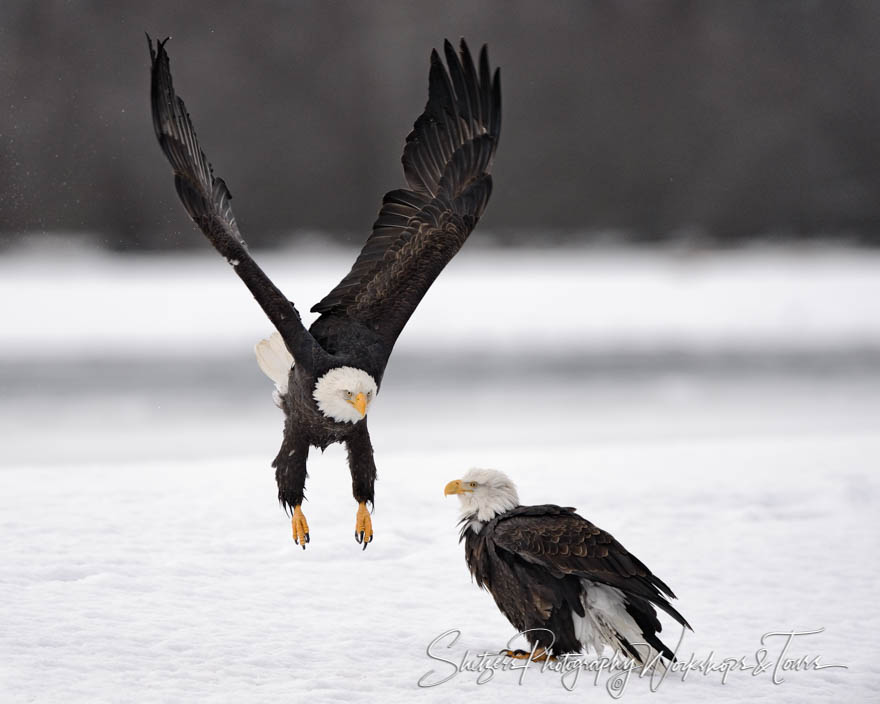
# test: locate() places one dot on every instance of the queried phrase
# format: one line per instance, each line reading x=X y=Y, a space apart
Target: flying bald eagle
x=564 y=582
x=340 y=359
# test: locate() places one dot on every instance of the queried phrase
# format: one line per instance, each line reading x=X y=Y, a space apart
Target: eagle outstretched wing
x=564 y=543
x=446 y=162
x=207 y=200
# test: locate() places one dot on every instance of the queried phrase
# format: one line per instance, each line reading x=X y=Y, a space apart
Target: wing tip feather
x=446 y=159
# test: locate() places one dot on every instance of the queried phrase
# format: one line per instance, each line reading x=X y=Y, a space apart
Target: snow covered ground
x=718 y=413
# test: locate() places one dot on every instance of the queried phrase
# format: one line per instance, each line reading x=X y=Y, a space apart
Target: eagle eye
x=473 y=485
x=348 y=394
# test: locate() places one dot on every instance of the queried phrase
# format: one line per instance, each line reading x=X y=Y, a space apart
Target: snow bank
x=509 y=302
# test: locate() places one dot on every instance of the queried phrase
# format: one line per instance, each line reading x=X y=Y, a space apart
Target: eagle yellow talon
x=540 y=654
x=363 y=526
x=300 y=527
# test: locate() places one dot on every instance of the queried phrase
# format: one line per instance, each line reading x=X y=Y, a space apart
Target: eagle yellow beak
x=455 y=487
x=360 y=402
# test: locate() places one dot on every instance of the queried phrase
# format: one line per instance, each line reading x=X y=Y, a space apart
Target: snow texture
x=145 y=557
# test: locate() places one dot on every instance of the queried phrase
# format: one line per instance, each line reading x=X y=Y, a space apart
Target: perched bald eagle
x=564 y=582
x=340 y=359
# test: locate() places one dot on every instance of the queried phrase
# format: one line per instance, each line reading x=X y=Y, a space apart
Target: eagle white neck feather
x=495 y=493
x=331 y=389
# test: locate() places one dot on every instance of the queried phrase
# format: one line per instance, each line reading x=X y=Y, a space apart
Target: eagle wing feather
x=446 y=161
x=207 y=200
x=564 y=543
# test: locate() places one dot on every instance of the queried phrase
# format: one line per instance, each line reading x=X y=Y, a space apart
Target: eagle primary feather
x=446 y=161
x=208 y=201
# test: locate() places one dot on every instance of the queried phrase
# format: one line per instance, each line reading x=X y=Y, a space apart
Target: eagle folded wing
x=565 y=543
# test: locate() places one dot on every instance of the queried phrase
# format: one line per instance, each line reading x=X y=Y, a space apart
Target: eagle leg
x=363 y=526
x=540 y=654
x=363 y=478
x=300 y=527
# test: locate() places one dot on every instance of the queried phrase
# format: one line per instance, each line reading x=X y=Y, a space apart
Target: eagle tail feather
x=274 y=360
x=624 y=622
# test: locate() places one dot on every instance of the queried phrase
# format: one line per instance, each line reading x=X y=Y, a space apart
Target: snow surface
x=145 y=557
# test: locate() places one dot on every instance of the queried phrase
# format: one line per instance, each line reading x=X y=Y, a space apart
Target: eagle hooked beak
x=360 y=402
x=455 y=487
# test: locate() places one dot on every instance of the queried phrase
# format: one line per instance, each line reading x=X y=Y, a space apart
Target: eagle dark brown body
x=565 y=583
x=305 y=426
x=446 y=162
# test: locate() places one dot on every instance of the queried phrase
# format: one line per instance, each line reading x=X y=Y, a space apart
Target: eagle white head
x=484 y=493
x=345 y=394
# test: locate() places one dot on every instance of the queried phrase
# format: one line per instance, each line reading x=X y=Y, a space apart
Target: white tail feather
x=605 y=617
x=275 y=360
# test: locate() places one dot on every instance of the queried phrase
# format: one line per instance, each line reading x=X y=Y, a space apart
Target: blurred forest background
x=709 y=120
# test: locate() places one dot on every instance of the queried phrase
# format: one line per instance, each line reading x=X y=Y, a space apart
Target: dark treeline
x=715 y=119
